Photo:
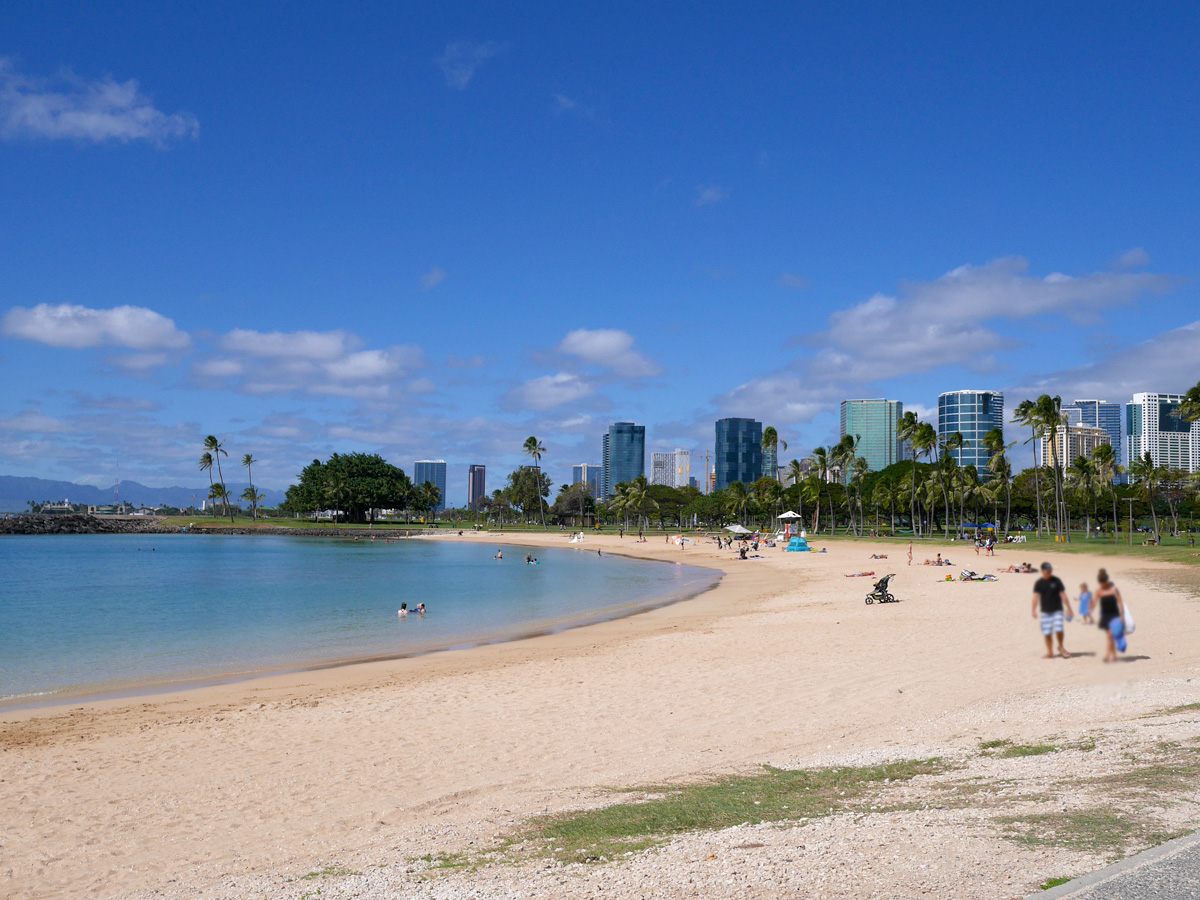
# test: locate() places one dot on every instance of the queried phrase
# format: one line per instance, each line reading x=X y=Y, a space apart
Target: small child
x=1085 y=605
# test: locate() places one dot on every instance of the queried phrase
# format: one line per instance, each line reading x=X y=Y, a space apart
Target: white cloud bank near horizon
x=68 y=107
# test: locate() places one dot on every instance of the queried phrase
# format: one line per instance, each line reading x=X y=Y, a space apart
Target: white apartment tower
x=1154 y=426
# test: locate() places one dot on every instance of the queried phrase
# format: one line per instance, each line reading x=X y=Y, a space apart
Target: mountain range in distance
x=15 y=494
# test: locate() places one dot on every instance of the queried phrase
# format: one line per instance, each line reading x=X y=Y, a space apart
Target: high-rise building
x=874 y=423
x=770 y=464
x=739 y=455
x=973 y=414
x=1154 y=426
x=591 y=474
x=673 y=469
x=476 y=486
x=1100 y=414
x=433 y=471
x=1071 y=441
x=624 y=450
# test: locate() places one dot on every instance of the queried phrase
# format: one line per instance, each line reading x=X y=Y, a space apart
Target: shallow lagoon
x=92 y=614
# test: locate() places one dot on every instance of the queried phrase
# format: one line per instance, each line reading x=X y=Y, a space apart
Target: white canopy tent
x=789 y=515
x=737 y=529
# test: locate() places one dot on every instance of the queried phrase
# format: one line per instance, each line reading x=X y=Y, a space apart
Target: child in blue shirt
x=1085 y=604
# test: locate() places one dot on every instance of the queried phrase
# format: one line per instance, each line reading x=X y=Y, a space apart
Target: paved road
x=1169 y=872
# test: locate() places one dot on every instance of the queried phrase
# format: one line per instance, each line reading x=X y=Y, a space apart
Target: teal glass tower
x=874 y=423
x=974 y=414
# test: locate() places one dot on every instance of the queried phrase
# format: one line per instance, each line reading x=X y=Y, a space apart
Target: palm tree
x=535 y=450
x=1104 y=458
x=906 y=431
x=795 y=472
x=1147 y=475
x=248 y=460
x=336 y=490
x=216 y=491
x=772 y=441
x=739 y=500
x=1189 y=409
x=206 y=464
x=1049 y=417
x=950 y=463
x=1026 y=414
x=1000 y=467
x=253 y=499
x=860 y=469
x=217 y=449
x=924 y=440
x=821 y=461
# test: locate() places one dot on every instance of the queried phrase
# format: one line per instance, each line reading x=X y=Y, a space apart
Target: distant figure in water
x=403 y=611
x=420 y=609
x=598 y=553
x=528 y=558
x=499 y=555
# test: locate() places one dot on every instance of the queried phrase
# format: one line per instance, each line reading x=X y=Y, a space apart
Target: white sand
x=189 y=793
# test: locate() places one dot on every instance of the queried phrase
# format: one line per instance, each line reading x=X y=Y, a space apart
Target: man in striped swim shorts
x=1050 y=600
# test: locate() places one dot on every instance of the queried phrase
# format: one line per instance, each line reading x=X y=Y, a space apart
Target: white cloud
x=31 y=421
x=219 y=368
x=139 y=362
x=432 y=278
x=77 y=327
x=561 y=103
x=365 y=365
x=608 y=348
x=1166 y=362
x=461 y=59
x=549 y=391
x=69 y=107
x=309 y=345
x=706 y=195
x=1134 y=259
x=929 y=325
x=796 y=282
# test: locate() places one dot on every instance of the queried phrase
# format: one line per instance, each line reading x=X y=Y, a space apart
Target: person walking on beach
x=1112 y=608
x=910 y=553
x=1050 y=594
x=1085 y=605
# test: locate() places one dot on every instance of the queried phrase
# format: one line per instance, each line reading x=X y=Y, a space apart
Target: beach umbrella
x=790 y=515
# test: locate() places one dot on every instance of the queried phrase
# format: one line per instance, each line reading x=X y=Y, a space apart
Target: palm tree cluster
x=214 y=449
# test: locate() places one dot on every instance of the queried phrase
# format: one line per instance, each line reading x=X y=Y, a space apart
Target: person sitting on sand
x=878 y=556
x=742 y=552
x=938 y=561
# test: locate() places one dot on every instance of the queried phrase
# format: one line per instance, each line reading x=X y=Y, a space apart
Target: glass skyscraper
x=476 y=486
x=433 y=471
x=1099 y=414
x=973 y=414
x=739 y=455
x=875 y=423
x=591 y=474
x=624 y=450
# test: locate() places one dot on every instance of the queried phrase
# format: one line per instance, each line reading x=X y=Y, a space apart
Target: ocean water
x=88 y=614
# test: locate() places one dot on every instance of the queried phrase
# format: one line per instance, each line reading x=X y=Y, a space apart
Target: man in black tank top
x=1050 y=600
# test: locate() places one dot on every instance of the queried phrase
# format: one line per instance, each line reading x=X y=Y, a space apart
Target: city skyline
x=283 y=248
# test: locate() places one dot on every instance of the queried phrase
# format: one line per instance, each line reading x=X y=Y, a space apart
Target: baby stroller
x=880 y=591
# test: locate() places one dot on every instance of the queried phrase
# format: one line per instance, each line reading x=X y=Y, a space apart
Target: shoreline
x=378 y=764
x=151 y=688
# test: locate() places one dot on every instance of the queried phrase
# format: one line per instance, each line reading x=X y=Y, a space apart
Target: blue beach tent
x=796 y=544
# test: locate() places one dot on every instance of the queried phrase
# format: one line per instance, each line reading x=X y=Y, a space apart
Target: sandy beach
x=243 y=789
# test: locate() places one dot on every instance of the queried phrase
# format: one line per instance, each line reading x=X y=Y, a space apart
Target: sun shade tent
x=737 y=529
x=789 y=515
x=797 y=544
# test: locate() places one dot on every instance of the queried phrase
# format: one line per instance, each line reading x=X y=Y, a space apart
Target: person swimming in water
x=403 y=611
x=499 y=555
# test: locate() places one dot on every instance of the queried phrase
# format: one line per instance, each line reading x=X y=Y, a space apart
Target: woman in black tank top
x=1111 y=607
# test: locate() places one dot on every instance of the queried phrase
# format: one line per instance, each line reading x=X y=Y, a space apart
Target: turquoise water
x=116 y=613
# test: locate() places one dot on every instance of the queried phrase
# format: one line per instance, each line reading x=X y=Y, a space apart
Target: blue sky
x=434 y=231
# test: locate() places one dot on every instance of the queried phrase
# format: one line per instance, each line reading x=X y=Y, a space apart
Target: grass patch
x=770 y=795
x=1175 y=710
x=330 y=872
x=1090 y=830
x=1055 y=882
x=1008 y=750
x=446 y=861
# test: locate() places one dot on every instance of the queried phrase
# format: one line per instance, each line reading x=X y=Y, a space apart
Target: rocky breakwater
x=81 y=524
